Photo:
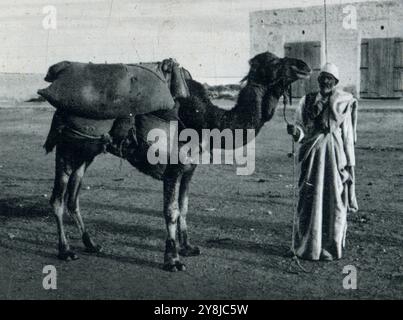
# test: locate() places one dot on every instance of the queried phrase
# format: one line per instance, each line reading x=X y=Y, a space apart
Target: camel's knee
x=59 y=191
x=57 y=203
x=79 y=173
x=172 y=215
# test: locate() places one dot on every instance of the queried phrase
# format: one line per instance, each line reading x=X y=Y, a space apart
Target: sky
x=208 y=37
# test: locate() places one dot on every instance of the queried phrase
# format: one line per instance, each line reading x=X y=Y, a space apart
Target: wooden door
x=309 y=52
x=398 y=68
x=381 y=68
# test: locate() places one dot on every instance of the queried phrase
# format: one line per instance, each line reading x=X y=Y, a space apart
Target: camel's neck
x=256 y=105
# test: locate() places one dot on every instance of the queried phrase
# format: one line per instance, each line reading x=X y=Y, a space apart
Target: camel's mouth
x=300 y=73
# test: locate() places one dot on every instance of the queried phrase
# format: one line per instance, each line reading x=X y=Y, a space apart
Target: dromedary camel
x=267 y=80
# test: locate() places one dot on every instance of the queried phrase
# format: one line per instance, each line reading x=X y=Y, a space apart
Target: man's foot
x=326 y=255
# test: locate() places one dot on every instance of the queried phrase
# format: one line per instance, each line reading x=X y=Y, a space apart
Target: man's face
x=326 y=83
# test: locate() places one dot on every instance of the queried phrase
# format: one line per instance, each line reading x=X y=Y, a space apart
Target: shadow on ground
x=29 y=206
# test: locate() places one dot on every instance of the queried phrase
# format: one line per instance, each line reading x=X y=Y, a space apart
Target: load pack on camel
x=91 y=99
x=110 y=91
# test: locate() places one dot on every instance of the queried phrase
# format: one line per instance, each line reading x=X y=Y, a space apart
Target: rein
x=292 y=154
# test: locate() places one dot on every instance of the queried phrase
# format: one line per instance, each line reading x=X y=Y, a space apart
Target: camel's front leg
x=186 y=249
x=172 y=178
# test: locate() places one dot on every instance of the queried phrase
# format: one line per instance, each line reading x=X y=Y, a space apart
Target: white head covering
x=331 y=68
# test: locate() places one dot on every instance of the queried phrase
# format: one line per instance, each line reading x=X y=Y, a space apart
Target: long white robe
x=326 y=165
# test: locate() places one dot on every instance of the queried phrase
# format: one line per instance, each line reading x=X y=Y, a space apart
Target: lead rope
x=295 y=260
x=325 y=18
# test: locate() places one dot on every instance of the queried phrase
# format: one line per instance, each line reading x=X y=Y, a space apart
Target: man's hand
x=292 y=130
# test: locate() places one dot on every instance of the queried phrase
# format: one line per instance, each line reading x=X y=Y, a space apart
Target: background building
x=365 y=40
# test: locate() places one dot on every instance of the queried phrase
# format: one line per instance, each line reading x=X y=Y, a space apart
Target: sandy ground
x=241 y=223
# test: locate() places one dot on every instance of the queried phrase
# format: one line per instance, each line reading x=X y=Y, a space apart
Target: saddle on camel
x=92 y=99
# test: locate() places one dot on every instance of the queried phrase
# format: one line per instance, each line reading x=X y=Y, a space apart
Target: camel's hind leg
x=172 y=178
x=63 y=171
x=186 y=249
x=73 y=189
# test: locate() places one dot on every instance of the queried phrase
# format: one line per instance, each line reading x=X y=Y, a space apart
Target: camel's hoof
x=94 y=249
x=169 y=267
x=177 y=266
x=180 y=266
x=189 y=251
x=90 y=246
x=67 y=255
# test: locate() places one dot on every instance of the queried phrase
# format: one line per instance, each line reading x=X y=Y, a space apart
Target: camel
x=267 y=80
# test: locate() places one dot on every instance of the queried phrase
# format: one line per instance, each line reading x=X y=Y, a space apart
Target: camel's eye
x=274 y=61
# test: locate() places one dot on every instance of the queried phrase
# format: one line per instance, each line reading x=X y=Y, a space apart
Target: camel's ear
x=271 y=56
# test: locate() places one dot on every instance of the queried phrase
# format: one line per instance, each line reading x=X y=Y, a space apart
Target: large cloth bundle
x=109 y=91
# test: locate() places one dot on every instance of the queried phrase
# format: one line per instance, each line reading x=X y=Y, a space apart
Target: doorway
x=381 y=68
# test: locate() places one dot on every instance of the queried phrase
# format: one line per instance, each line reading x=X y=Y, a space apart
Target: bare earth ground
x=241 y=223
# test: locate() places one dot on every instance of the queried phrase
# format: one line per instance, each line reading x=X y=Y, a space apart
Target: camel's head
x=269 y=70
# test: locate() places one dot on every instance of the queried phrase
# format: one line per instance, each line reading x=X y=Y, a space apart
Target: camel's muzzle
x=300 y=73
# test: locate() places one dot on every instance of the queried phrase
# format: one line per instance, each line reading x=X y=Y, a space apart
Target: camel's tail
x=44 y=93
x=53 y=73
x=54 y=133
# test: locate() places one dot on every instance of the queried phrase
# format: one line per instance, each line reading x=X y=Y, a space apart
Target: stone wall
x=271 y=29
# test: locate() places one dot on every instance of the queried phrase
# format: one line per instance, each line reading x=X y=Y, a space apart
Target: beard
x=325 y=88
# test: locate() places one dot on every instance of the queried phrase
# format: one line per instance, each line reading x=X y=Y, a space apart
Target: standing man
x=326 y=128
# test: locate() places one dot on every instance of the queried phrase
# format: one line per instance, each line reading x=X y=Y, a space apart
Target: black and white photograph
x=223 y=151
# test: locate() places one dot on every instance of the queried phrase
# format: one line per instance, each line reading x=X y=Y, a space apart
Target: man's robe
x=327 y=132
